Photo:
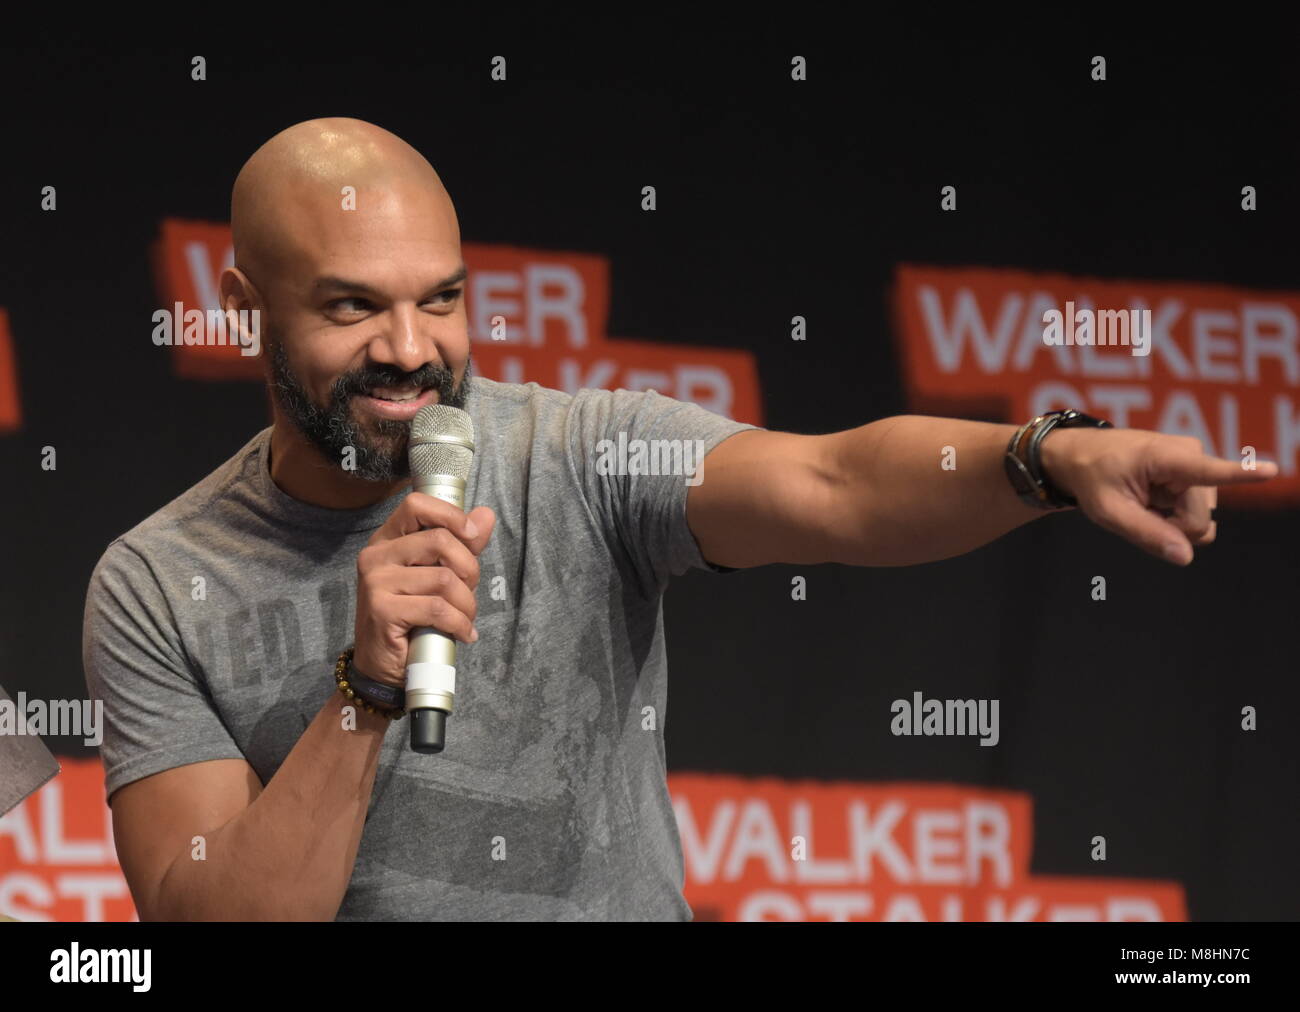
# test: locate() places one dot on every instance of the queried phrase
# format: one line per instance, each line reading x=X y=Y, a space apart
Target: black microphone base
x=428 y=731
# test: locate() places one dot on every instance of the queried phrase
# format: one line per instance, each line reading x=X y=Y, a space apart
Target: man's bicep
x=765 y=497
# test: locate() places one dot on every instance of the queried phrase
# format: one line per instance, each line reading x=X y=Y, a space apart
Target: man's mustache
x=361 y=383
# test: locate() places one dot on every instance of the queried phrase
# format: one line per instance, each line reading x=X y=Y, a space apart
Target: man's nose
x=406 y=343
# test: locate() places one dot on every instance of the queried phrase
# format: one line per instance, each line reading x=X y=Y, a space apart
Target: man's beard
x=380 y=448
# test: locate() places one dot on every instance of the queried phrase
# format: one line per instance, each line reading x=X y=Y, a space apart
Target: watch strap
x=1023 y=459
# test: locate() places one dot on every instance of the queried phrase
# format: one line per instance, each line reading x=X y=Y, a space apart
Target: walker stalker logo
x=534 y=315
x=11 y=415
x=57 y=859
x=1223 y=364
x=774 y=850
x=755 y=850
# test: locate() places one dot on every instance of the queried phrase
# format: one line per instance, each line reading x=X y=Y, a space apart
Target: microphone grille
x=441 y=421
x=437 y=445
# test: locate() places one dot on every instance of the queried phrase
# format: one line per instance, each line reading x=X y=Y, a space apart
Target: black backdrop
x=775 y=199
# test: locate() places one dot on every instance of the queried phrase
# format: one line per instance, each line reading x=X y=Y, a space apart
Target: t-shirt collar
x=300 y=514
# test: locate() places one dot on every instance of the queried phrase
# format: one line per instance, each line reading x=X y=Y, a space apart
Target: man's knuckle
x=439 y=536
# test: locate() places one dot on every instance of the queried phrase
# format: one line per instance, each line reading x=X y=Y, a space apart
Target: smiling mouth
x=393 y=395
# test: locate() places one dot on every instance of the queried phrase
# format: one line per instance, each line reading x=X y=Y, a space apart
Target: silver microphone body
x=441 y=452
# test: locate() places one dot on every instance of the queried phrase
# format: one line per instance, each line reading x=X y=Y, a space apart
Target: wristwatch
x=1024 y=465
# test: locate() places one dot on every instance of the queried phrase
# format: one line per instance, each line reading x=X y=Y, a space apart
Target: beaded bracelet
x=341 y=668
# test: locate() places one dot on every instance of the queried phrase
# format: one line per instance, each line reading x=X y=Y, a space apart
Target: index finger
x=419 y=511
x=1204 y=470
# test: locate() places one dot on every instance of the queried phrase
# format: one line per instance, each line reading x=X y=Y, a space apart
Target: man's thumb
x=485 y=520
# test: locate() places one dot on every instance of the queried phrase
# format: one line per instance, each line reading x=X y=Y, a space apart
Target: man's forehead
x=336 y=195
x=319 y=258
x=369 y=281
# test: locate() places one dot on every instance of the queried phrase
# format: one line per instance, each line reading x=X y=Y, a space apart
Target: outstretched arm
x=877 y=495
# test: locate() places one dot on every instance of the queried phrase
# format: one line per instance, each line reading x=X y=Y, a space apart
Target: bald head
x=348 y=248
x=288 y=199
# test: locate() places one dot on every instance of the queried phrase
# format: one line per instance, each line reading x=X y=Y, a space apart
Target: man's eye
x=448 y=297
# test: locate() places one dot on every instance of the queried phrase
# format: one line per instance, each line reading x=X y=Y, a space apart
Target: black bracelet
x=376 y=692
x=391 y=699
x=1070 y=419
x=1054 y=496
x=1024 y=464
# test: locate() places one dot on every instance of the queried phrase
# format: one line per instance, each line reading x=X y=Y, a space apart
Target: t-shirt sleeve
x=156 y=712
x=637 y=455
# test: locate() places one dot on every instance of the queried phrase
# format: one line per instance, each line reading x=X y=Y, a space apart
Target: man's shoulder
x=523 y=412
x=500 y=401
x=491 y=396
x=177 y=518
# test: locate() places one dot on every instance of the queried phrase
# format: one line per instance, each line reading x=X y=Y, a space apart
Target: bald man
x=245 y=785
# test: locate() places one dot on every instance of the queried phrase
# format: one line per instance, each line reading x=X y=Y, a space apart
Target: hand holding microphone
x=417 y=576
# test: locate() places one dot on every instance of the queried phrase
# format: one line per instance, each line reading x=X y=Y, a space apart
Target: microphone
x=441 y=449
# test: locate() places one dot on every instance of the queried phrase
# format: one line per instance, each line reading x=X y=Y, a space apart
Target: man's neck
x=300 y=471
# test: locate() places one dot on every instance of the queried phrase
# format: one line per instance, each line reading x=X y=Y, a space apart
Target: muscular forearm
x=916 y=489
x=895 y=503
x=290 y=854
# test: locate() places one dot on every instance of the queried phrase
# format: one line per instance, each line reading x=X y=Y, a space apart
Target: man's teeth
x=409 y=395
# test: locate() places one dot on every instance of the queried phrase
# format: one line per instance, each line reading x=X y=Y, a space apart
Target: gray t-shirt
x=211 y=629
